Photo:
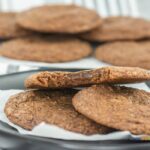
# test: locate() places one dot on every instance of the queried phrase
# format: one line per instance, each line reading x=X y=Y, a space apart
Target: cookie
x=59 y=19
x=119 y=28
x=46 y=49
x=129 y=54
x=28 y=109
x=117 y=107
x=52 y=80
x=9 y=28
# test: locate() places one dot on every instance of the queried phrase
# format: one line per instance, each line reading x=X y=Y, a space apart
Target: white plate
x=89 y=62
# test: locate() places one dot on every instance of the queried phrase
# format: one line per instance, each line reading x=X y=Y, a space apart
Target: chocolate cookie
x=46 y=49
x=84 y=78
x=119 y=28
x=116 y=107
x=30 y=108
x=9 y=28
x=132 y=54
x=59 y=19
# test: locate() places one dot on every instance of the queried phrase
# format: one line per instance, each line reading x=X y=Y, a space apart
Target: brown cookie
x=116 y=107
x=59 y=19
x=116 y=75
x=9 y=28
x=119 y=28
x=46 y=49
x=28 y=109
x=129 y=54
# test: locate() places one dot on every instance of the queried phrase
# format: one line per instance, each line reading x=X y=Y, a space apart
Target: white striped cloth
x=104 y=7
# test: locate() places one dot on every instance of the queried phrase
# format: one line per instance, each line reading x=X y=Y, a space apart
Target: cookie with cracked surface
x=46 y=49
x=59 y=19
x=129 y=54
x=117 y=107
x=119 y=28
x=9 y=28
x=118 y=75
x=28 y=109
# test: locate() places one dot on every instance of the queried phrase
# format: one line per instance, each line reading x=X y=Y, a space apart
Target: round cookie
x=46 y=49
x=129 y=54
x=116 y=75
x=120 y=108
x=59 y=19
x=28 y=109
x=9 y=28
x=119 y=28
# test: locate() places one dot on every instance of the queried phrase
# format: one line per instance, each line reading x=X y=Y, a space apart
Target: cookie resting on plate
x=121 y=108
x=54 y=107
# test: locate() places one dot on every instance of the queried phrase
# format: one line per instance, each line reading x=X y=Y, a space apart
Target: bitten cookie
x=119 y=28
x=9 y=28
x=117 y=107
x=129 y=54
x=46 y=49
x=59 y=19
x=28 y=109
x=116 y=75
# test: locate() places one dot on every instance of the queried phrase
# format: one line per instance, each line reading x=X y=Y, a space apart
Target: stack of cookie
x=99 y=107
x=49 y=33
x=63 y=33
x=126 y=41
